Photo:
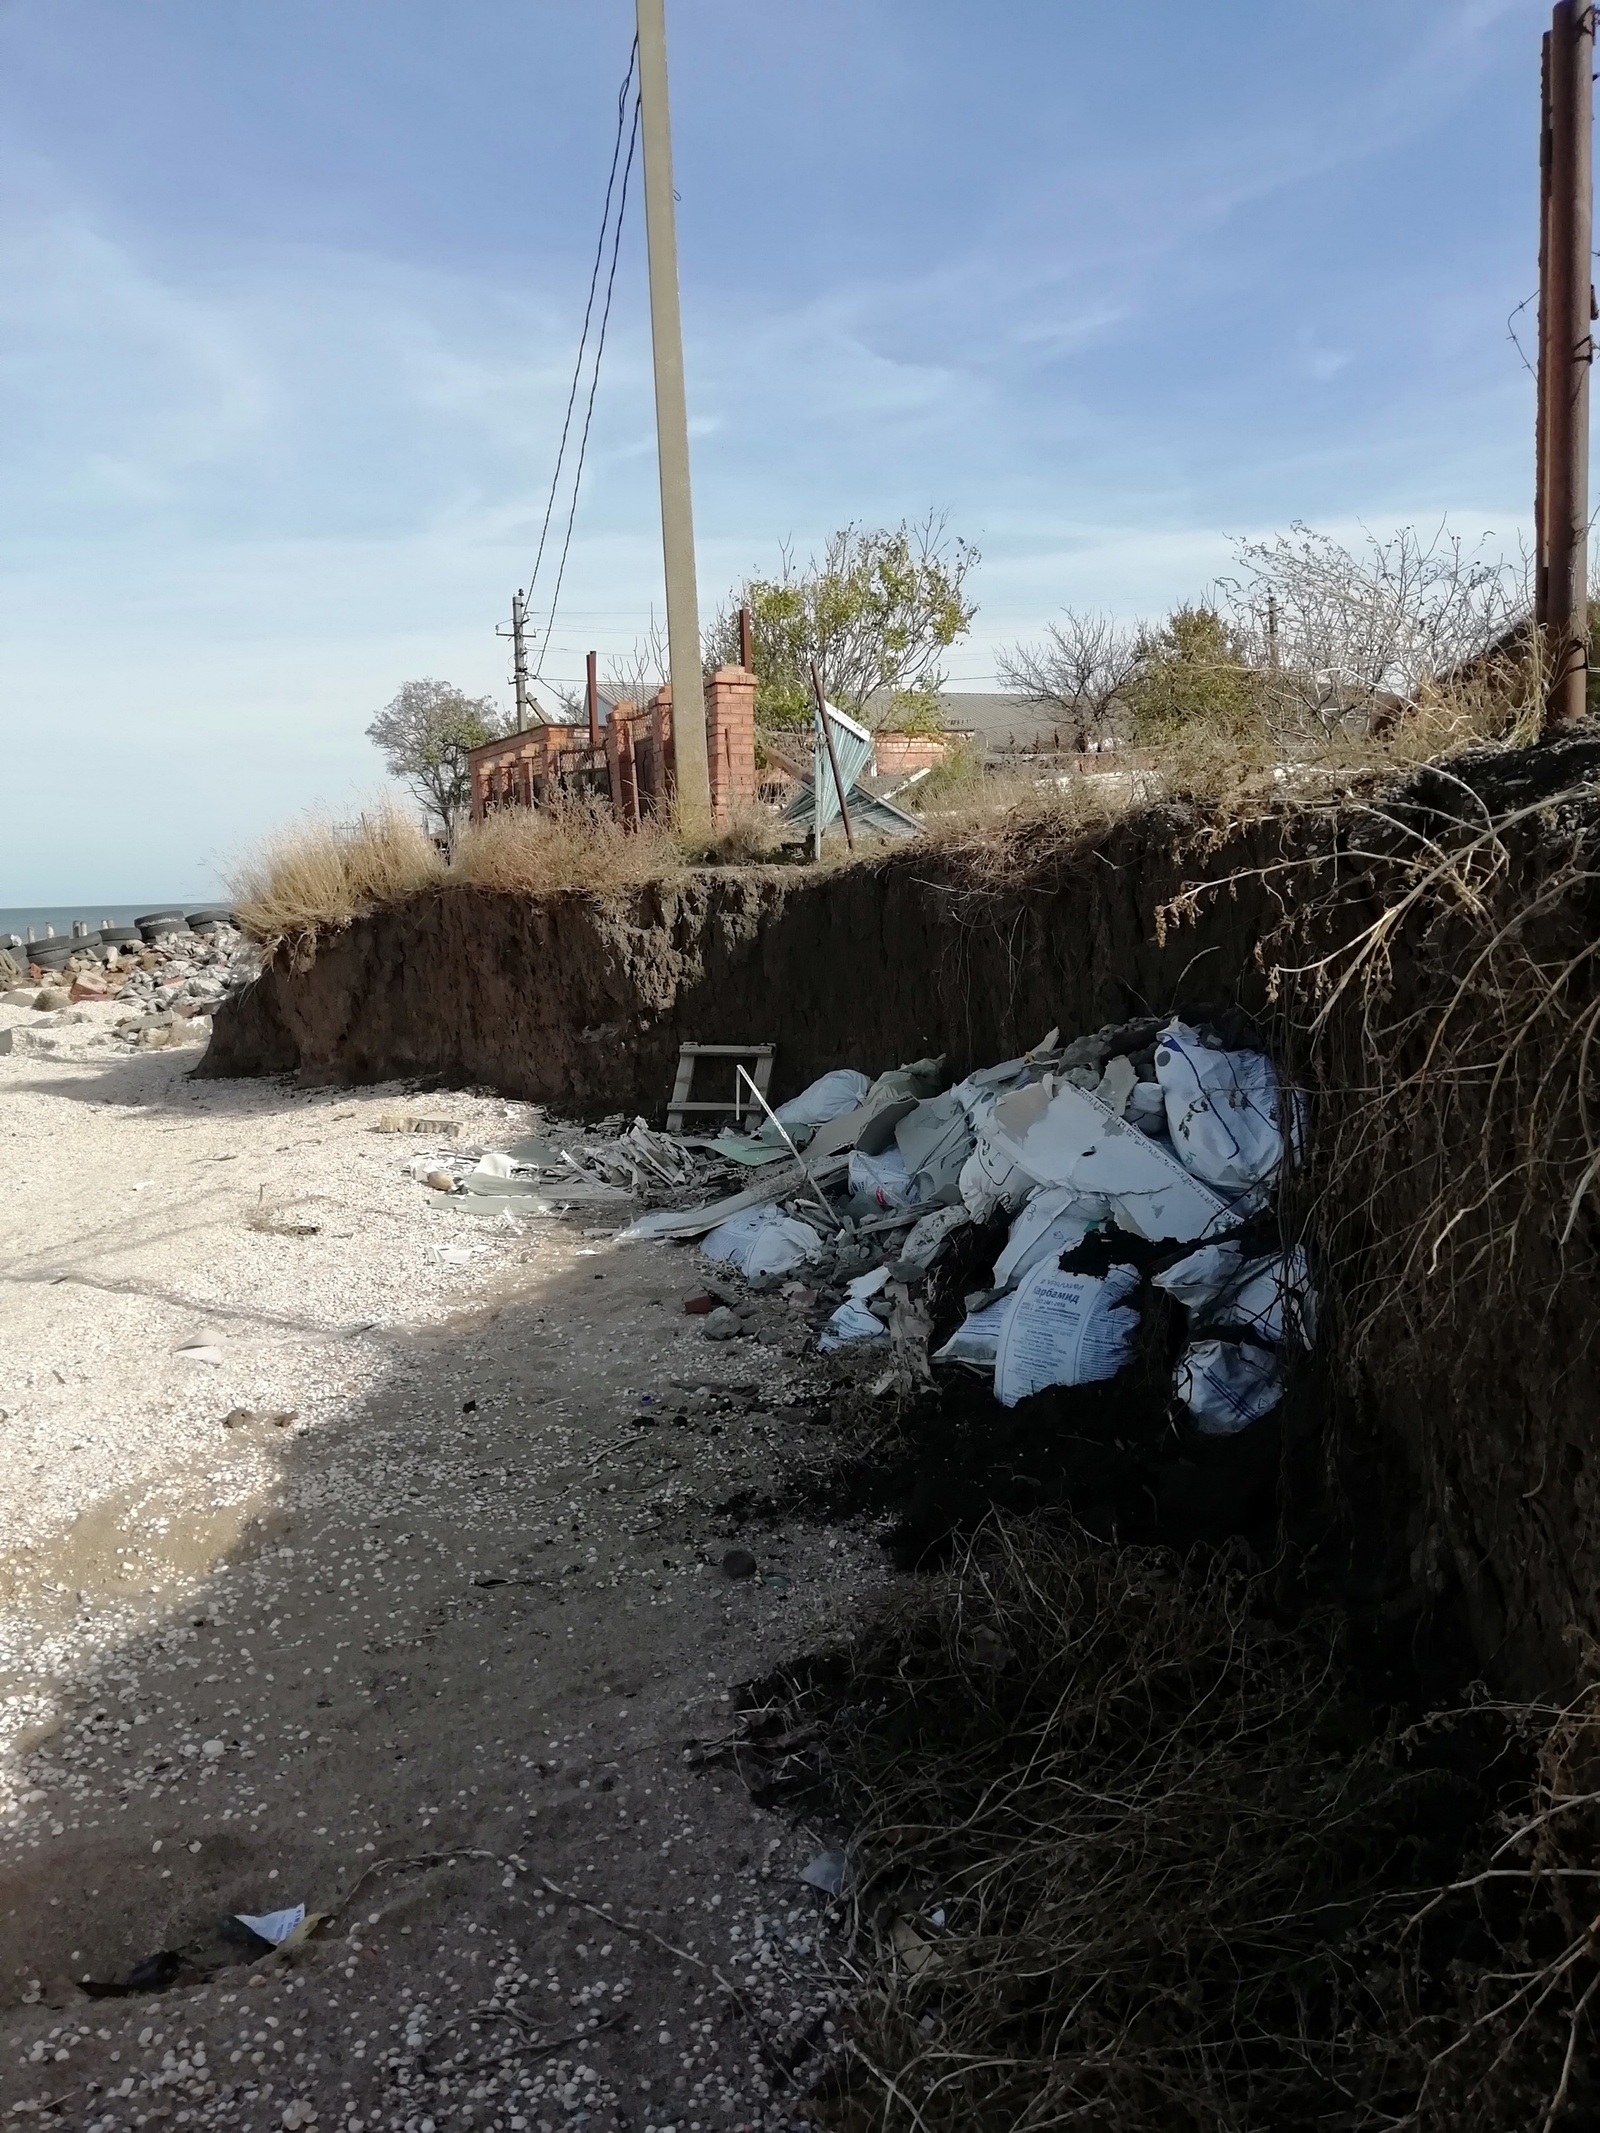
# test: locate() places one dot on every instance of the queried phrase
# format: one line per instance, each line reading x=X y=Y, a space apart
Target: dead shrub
x=1128 y=1852
x=577 y=845
x=319 y=876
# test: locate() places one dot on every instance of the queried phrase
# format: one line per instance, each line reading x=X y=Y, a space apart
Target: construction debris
x=1023 y=1213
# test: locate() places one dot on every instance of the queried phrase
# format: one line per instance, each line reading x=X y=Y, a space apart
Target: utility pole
x=1567 y=306
x=519 y=659
x=672 y=427
x=591 y=696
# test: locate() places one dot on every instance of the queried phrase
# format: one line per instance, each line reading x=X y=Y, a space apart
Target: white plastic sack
x=1272 y=1296
x=762 y=1240
x=1066 y=1136
x=1065 y=1329
x=1225 y=1110
x=853 y=1321
x=1227 y=1385
x=1054 y=1220
x=990 y=1181
x=884 y=1176
x=829 y=1097
x=977 y=1339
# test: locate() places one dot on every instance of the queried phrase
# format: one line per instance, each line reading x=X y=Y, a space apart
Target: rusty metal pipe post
x=1571 y=348
x=592 y=698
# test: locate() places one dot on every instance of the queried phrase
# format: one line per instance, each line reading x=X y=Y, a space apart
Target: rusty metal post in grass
x=1569 y=351
x=592 y=699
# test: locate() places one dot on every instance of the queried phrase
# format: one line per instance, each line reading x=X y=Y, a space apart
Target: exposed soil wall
x=1461 y=1322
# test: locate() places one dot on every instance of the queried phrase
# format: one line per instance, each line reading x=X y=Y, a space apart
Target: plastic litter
x=1227 y=1385
x=1225 y=1110
x=827 y=1098
x=274 y=1926
x=991 y=1181
x=853 y=1321
x=1065 y=1329
x=1270 y=1296
x=935 y=1141
x=826 y=1872
x=1055 y=1220
x=883 y=1178
x=762 y=1240
x=976 y=1341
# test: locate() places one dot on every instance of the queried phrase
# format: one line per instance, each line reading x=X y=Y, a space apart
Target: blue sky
x=289 y=298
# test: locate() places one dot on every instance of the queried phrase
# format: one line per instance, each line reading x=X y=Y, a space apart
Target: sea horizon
x=18 y=918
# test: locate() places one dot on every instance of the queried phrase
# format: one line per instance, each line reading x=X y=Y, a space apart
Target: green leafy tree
x=425 y=732
x=876 y=612
x=1192 y=672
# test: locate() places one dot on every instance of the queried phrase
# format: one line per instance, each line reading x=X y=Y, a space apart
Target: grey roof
x=999 y=722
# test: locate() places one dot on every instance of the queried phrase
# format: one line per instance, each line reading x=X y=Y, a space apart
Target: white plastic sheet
x=1225 y=1110
x=762 y=1240
x=1227 y=1385
x=1068 y=1137
x=1053 y=1221
x=1065 y=1329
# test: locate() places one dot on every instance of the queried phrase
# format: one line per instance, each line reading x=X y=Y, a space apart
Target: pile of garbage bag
x=1141 y=1155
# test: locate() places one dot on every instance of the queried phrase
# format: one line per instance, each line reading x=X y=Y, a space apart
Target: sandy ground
x=421 y=1657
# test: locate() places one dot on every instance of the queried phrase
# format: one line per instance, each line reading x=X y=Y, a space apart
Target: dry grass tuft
x=1127 y=1853
x=579 y=846
x=752 y=835
x=319 y=876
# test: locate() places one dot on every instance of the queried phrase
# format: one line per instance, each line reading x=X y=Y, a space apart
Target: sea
x=17 y=920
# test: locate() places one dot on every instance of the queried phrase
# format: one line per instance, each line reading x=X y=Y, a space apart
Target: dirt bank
x=1424 y=956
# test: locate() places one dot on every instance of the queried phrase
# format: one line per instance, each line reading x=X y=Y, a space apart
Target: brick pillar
x=731 y=739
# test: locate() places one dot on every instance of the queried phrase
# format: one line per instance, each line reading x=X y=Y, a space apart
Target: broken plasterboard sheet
x=1068 y=1137
x=698 y=1221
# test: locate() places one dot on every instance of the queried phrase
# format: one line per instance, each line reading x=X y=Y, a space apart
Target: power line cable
x=588 y=309
x=594 y=381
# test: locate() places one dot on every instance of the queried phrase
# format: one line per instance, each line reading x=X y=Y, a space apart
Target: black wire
x=588 y=309
x=594 y=381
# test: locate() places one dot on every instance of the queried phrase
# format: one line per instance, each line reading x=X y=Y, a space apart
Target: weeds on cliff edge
x=1126 y=1852
x=577 y=845
x=318 y=876
x=1435 y=966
